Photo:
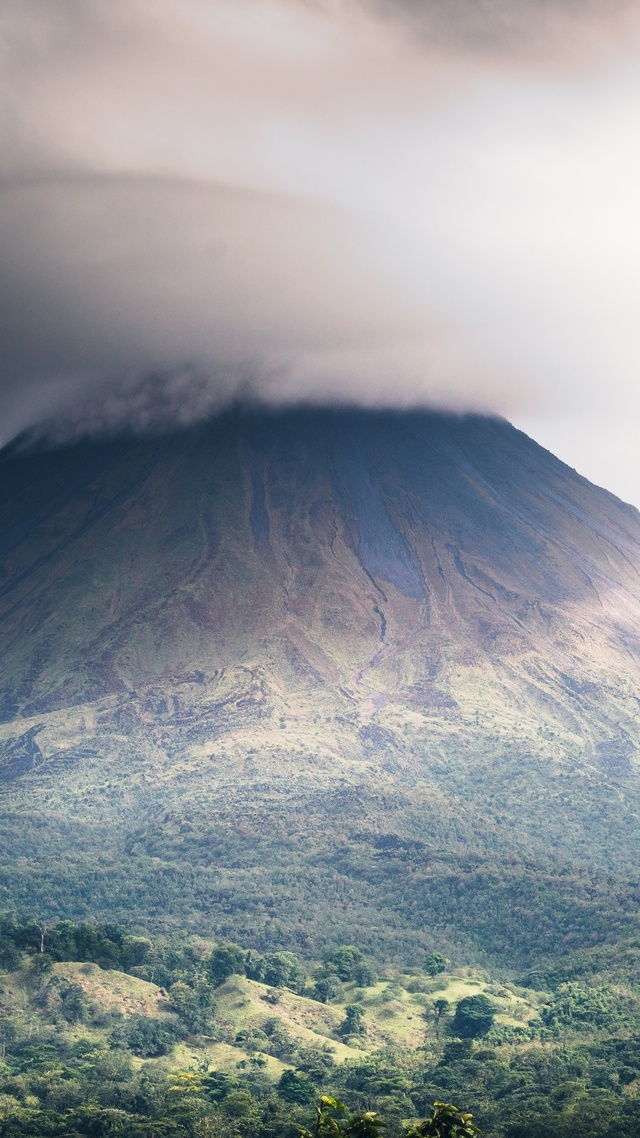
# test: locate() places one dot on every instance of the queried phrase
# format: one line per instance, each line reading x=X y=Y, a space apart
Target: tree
x=295 y=1086
x=193 y=1005
x=146 y=1036
x=474 y=1017
x=74 y=1008
x=217 y=1085
x=327 y=988
x=281 y=1043
x=240 y=1105
x=440 y=1009
x=43 y=928
x=278 y=969
x=435 y=963
x=353 y=1023
x=283 y=970
x=251 y=1039
x=363 y=975
x=9 y=956
x=225 y=960
x=366 y=1125
x=445 y=1121
x=315 y=1062
x=344 y=960
x=135 y=950
x=41 y=963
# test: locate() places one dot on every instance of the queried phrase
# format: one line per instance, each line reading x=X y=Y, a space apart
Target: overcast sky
x=412 y=202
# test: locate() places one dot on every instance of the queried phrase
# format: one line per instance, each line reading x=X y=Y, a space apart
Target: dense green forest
x=106 y=1029
x=337 y=867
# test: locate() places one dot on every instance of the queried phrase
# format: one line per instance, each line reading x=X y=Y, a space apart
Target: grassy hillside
x=88 y=1049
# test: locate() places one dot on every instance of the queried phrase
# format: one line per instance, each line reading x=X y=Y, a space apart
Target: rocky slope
x=312 y=672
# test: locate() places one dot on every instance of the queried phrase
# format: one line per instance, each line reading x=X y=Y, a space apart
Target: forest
x=108 y=1029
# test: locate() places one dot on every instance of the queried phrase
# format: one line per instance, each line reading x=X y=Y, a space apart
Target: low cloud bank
x=385 y=203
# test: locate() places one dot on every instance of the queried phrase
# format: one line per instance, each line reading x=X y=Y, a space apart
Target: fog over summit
x=395 y=204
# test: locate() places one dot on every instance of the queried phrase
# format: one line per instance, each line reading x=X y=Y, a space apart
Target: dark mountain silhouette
x=301 y=675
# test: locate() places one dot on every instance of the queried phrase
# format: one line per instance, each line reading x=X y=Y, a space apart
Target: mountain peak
x=425 y=615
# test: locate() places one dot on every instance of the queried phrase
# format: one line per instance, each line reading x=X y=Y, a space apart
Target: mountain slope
x=306 y=675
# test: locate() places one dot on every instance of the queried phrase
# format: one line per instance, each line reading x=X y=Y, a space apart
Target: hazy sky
x=392 y=203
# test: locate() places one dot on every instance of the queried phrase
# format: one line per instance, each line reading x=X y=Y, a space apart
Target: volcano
x=305 y=676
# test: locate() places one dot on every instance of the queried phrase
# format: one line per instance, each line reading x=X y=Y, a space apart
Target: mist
x=401 y=204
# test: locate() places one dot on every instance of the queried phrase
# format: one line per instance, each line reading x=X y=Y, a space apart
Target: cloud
x=515 y=31
x=320 y=200
x=162 y=299
x=108 y=280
